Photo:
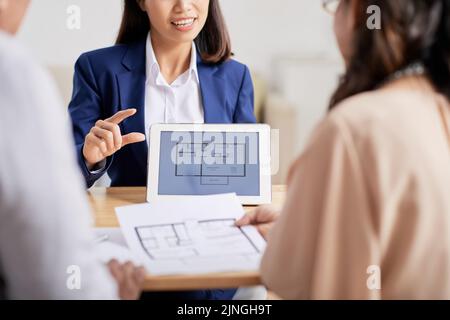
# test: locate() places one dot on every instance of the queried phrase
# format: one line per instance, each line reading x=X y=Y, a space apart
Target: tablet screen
x=202 y=163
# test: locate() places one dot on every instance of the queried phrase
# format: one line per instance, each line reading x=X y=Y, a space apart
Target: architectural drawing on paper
x=195 y=240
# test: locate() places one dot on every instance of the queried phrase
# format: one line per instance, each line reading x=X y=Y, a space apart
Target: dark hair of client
x=412 y=31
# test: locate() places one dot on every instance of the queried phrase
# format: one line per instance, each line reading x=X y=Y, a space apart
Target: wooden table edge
x=203 y=281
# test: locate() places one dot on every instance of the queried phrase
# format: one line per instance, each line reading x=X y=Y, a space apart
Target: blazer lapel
x=213 y=90
x=131 y=85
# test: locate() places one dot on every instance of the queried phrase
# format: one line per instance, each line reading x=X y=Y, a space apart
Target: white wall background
x=47 y=35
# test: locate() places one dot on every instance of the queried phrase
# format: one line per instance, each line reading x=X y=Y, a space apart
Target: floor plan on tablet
x=213 y=163
x=209 y=163
x=195 y=239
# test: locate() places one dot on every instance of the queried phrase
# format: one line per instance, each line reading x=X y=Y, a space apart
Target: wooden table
x=103 y=202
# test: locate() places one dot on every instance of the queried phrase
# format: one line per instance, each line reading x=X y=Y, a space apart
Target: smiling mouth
x=184 y=22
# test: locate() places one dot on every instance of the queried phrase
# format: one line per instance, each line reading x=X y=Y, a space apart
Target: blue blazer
x=113 y=79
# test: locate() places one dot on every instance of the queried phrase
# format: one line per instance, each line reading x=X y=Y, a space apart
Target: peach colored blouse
x=367 y=214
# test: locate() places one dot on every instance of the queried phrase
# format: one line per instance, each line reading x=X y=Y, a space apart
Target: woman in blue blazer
x=178 y=46
x=111 y=80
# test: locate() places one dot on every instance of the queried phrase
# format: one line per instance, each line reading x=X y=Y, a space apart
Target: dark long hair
x=213 y=42
x=412 y=31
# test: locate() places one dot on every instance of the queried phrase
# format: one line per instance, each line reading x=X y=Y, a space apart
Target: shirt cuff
x=99 y=167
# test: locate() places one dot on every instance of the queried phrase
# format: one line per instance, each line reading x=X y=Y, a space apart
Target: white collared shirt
x=178 y=102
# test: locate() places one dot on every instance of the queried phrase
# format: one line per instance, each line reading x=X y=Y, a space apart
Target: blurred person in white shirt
x=45 y=223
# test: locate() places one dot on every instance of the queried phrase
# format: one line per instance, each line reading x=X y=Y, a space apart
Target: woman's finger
x=132 y=138
x=97 y=143
x=116 y=271
x=263 y=214
x=121 y=115
x=245 y=220
x=131 y=288
x=106 y=136
x=115 y=129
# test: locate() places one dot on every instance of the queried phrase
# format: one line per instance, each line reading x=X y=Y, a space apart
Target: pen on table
x=101 y=238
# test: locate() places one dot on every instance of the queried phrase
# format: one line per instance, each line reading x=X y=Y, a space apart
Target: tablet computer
x=205 y=159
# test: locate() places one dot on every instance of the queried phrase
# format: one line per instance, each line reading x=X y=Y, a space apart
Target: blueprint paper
x=191 y=235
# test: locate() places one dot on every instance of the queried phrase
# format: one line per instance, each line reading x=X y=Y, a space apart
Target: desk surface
x=103 y=202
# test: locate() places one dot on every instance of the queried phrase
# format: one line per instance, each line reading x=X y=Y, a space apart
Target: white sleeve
x=45 y=229
x=99 y=167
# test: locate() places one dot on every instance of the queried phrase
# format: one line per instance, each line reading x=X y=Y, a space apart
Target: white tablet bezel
x=263 y=130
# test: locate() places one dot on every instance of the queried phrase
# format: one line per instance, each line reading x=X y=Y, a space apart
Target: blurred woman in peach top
x=367 y=214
